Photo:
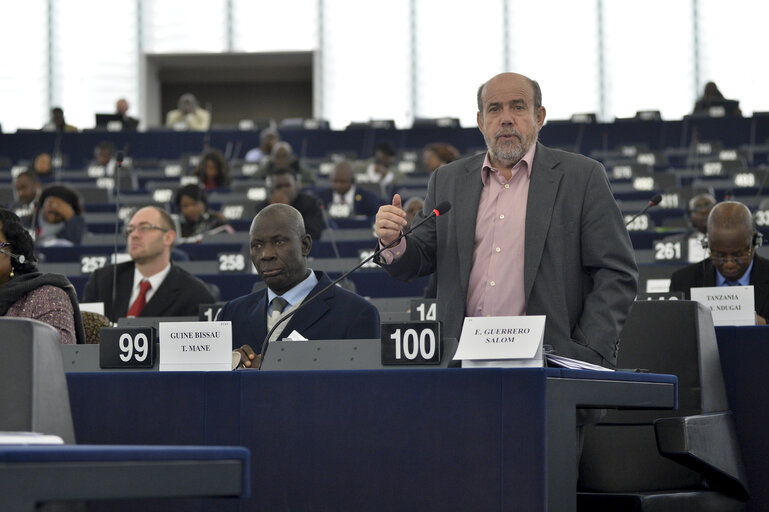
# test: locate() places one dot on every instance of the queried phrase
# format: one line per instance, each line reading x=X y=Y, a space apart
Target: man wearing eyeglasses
x=732 y=242
x=148 y=285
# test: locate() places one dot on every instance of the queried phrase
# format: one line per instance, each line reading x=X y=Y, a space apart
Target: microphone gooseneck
x=119 y=156
x=437 y=211
x=654 y=201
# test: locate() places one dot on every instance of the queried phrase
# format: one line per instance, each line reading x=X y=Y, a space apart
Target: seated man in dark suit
x=149 y=285
x=284 y=186
x=279 y=249
x=732 y=242
x=344 y=199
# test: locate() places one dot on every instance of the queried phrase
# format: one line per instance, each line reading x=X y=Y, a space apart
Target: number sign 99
x=121 y=347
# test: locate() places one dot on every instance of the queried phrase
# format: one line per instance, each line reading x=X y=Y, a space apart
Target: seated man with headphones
x=732 y=242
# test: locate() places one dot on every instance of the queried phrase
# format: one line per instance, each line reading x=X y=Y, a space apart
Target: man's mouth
x=271 y=273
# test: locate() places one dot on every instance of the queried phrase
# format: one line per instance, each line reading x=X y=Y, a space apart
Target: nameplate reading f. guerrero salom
x=502 y=341
x=195 y=346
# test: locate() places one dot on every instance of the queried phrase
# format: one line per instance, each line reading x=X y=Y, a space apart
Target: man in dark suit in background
x=532 y=231
x=732 y=241
x=279 y=249
x=284 y=185
x=344 y=198
x=149 y=285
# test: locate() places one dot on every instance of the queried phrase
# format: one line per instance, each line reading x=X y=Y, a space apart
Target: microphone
x=439 y=210
x=654 y=201
x=119 y=156
x=18 y=257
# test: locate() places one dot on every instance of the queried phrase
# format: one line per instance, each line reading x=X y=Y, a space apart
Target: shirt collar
x=743 y=281
x=296 y=294
x=155 y=280
x=523 y=163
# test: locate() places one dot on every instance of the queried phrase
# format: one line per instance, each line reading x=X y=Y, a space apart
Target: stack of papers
x=29 y=438
x=573 y=364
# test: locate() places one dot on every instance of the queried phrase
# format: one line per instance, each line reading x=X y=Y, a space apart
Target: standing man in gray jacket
x=532 y=231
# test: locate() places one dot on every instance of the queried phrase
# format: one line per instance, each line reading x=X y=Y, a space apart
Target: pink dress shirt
x=496 y=278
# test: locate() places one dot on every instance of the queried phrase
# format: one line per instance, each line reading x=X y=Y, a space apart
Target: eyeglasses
x=739 y=258
x=143 y=229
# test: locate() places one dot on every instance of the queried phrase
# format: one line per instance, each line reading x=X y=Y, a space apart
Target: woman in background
x=196 y=219
x=27 y=293
x=212 y=170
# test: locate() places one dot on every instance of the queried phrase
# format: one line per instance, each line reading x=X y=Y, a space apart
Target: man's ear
x=169 y=237
x=306 y=245
x=541 y=113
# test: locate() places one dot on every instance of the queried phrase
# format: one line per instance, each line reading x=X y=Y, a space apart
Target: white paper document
x=503 y=341
x=574 y=364
x=24 y=438
x=729 y=305
x=195 y=346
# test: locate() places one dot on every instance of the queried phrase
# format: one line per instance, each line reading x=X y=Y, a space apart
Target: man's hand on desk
x=248 y=358
x=760 y=320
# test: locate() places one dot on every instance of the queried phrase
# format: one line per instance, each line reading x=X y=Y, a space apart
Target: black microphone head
x=442 y=208
x=119 y=157
x=654 y=201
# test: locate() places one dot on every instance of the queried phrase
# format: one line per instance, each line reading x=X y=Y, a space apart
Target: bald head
x=280 y=214
x=535 y=89
x=731 y=216
x=730 y=239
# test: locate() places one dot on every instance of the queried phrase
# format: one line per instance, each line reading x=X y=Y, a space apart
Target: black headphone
x=756 y=241
x=18 y=257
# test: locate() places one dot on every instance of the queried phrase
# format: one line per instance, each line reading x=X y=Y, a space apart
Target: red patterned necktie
x=141 y=300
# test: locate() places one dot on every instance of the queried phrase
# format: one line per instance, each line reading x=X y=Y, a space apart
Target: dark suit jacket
x=703 y=273
x=337 y=314
x=579 y=266
x=179 y=294
x=309 y=207
x=365 y=202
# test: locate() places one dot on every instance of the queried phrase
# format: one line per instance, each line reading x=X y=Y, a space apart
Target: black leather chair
x=687 y=459
x=33 y=388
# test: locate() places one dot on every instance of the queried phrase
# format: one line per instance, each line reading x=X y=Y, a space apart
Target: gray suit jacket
x=579 y=267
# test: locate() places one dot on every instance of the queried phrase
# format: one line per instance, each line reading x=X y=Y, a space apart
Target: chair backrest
x=33 y=388
x=674 y=337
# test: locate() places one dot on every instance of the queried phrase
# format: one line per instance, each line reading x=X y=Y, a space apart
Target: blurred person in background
x=59 y=221
x=381 y=169
x=27 y=293
x=267 y=139
x=282 y=157
x=196 y=219
x=189 y=115
x=285 y=188
x=344 y=198
x=42 y=165
x=121 y=109
x=412 y=207
x=213 y=171
x=438 y=153
x=27 y=188
x=57 y=122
